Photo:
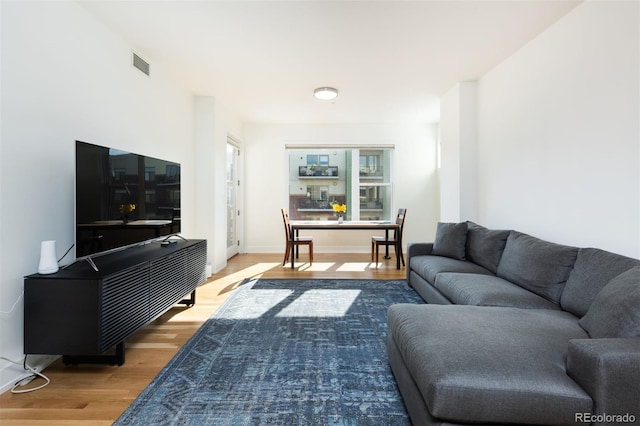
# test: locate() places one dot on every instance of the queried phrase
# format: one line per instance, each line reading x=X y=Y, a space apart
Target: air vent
x=141 y=64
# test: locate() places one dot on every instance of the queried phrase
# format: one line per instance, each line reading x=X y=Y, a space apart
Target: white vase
x=340 y=219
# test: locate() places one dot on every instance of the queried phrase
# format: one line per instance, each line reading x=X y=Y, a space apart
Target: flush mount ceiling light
x=325 y=93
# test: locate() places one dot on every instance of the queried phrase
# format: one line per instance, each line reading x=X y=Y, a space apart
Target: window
x=318 y=194
x=150 y=196
x=358 y=177
x=317 y=160
x=172 y=172
x=149 y=174
x=370 y=165
x=119 y=173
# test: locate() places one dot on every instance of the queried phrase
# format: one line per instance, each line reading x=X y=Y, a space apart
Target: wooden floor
x=98 y=394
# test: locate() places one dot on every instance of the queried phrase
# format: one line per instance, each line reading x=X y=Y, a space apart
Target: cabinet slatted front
x=85 y=315
x=119 y=320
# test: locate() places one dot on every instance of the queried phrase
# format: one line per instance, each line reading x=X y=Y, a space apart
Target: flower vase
x=340 y=219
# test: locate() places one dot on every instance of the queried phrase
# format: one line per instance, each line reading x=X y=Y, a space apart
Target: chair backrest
x=400 y=221
x=287 y=225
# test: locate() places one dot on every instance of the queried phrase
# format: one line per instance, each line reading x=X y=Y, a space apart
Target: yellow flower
x=127 y=208
x=339 y=208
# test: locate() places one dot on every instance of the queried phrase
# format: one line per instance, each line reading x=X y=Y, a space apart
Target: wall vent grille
x=141 y=64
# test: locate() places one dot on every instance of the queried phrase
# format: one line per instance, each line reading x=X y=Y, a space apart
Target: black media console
x=86 y=315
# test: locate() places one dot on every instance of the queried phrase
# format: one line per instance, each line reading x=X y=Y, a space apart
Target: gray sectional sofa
x=517 y=330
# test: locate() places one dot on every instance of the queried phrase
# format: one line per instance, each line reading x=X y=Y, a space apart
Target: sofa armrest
x=609 y=371
x=417 y=249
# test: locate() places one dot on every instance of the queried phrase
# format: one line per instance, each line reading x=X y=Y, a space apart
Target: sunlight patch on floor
x=353 y=267
x=317 y=267
x=165 y=326
x=373 y=265
x=306 y=305
x=262 y=301
x=253 y=271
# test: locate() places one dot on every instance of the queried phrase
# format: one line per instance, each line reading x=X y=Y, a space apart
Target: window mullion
x=355 y=185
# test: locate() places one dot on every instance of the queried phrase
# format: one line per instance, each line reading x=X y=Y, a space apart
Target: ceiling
x=390 y=60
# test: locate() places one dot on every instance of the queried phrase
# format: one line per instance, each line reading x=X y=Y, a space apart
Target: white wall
x=458 y=171
x=66 y=77
x=449 y=173
x=415 y=182
x=558 y=133
x=213 y=125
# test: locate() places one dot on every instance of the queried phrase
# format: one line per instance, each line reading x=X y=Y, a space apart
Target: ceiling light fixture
x=325 y=93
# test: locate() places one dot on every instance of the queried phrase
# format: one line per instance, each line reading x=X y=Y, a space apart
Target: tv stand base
x=190 y=301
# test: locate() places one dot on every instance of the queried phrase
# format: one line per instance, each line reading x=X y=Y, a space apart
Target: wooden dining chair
x=298 y=241
x=395 y=240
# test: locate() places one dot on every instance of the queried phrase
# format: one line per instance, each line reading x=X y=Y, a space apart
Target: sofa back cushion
x=450 y=240
x=484 y=246
x=615 y=312
x=593 y=269
x=537 y=265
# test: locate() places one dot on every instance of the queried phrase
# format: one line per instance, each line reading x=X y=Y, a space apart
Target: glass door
x=233 y=183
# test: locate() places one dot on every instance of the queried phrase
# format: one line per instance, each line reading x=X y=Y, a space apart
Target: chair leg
x=286 y=254
x=310 y=254
x=372 y=244
x=395 y=248
x=398 y=249
x=377 y=254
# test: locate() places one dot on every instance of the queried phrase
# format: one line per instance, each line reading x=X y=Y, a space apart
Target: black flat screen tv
x=123 y=199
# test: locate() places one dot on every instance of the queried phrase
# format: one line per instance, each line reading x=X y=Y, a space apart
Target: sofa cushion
x=490 y=364
x=429 y=266
x=450 y=240
x=537 y=265
x=487 y=290
x=593 y=269
x=615 y=312
x=426 y=290
x=484 y=246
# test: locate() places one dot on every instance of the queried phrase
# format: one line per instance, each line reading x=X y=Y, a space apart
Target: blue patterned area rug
x=284 y=352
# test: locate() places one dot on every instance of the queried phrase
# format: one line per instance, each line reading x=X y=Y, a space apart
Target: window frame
x=349 y=175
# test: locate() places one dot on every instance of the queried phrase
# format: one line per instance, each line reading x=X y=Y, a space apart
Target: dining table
x=335 y=225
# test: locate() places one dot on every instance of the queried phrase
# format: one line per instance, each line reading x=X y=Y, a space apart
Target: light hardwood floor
x=97 y=394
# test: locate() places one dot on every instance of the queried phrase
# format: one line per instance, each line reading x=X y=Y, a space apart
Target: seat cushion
x=450 y=240
x=593 y=269
x=490 y=364
x=487 y=290
x=537 y=265
x=390 y=240
x=484 y=246
x=615 y=312
x=428 y=266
